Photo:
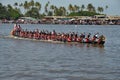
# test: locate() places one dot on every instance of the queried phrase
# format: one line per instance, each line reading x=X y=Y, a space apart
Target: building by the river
x=80 y=20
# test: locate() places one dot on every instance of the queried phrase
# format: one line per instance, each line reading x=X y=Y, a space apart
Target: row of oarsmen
x=47 y=35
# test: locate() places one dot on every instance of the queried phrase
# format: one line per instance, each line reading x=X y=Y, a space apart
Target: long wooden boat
x=55 y=41
x=55 y=37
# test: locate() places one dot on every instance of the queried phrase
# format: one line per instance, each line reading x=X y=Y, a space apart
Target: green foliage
x=50 y=13
x=9 y=12
x=100 y=9
x=33 y=8
x=90 y=8
x=34 y=12
x=83 y=13
x=14 y=14
x=3 y=12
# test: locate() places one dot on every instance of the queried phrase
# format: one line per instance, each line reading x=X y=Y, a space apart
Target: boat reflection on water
x=94 y=45
x=94 y=48
x=86 y=45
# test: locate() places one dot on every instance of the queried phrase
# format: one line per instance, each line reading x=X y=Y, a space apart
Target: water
x=34 y=60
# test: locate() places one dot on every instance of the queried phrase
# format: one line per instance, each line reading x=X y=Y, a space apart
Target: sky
x=113 y=5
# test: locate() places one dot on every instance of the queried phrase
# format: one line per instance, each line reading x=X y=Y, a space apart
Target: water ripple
x=33 y=60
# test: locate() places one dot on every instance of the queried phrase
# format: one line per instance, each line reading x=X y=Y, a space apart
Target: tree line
x=33 y=9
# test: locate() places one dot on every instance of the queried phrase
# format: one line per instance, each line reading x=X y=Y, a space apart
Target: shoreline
x=76 y=20
x=59 y=24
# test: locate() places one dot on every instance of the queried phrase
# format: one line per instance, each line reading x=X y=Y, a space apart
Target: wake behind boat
x=55 y=37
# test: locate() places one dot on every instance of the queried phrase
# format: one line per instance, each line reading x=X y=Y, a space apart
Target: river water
x=34 y=60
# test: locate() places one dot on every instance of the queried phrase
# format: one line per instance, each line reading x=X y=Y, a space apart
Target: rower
x=96 y=35
x=102 y=38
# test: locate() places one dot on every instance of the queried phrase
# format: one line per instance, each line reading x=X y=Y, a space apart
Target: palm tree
x=46 y=7
x=9 y=6
x=15 y=4
x=93 y=9
x=55 y=10
x=90 y=7
x=31 y=3
x=33 y=12
x=76 y=8
x=26 y=5
x=106 y=7
x=3 y=12
x=62 y=10
x=82 y=7
x=21 y=4
x=70 y=7
x=100 y=9
x=52 y=7
x=1 y=5
x=38 y=5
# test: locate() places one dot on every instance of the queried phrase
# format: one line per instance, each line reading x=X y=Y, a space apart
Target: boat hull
x=54 y=41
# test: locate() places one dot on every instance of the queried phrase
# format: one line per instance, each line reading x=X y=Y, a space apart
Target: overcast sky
x=114 y=5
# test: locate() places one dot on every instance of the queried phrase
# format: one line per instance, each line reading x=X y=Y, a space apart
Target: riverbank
x=72 y=20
